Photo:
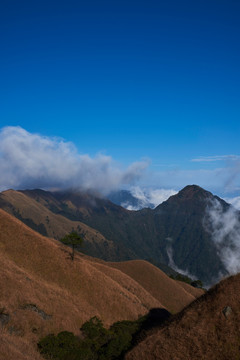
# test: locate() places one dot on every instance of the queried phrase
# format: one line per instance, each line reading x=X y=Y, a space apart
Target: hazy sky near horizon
x=152 y=86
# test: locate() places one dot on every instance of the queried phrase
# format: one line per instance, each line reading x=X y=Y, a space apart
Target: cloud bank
x=33 y=161
x=224 y=227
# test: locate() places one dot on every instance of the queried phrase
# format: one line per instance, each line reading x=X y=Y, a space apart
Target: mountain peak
x=193 y=191
x=190 y=193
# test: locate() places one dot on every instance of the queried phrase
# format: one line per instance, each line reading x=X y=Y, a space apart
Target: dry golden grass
x=201 y=331
x=13 y=347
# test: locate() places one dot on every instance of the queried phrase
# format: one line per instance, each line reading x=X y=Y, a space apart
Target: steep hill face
x=207 y=329
x=172 y=234
x=43 y=291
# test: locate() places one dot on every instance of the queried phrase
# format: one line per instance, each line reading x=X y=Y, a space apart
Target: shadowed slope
x=208 y=329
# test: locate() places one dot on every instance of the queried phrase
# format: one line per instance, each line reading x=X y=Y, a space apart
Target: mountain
x=207 y=329
x=172 y=234
x=188 y=241
x=43 y=291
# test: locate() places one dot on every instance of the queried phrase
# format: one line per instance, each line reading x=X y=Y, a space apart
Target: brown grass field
x=37 y=273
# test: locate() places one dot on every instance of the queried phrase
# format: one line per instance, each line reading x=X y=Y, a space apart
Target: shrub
x=98 y=343
x=57 y=347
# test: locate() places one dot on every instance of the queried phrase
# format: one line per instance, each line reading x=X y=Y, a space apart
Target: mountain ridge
x=172 y=234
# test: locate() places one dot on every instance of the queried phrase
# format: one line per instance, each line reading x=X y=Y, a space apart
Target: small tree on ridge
x=73 y=239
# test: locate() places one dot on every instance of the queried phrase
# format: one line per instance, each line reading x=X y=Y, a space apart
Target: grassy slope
x=173 y=295
x=37 y=270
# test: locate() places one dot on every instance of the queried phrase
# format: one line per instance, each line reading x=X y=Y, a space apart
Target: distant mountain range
x=172 y=234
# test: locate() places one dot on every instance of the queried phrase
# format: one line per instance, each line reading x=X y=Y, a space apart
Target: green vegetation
x=74 y=240
x=95 y=342
x=197 y=284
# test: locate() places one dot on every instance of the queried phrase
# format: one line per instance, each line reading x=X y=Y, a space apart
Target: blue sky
x=156 y=80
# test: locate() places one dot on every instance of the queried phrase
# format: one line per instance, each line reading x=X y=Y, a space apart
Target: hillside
x=172 y=234
x=43 y=291
x=207 y=329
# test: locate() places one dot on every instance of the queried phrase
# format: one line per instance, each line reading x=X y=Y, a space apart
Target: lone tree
x=72 y=239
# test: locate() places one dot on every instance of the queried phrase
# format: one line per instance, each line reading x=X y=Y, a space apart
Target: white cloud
x=127 y=206
x=34 y=161
x=158 y=196
x=216 y=158
x=31 y=160
x=224 y=227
